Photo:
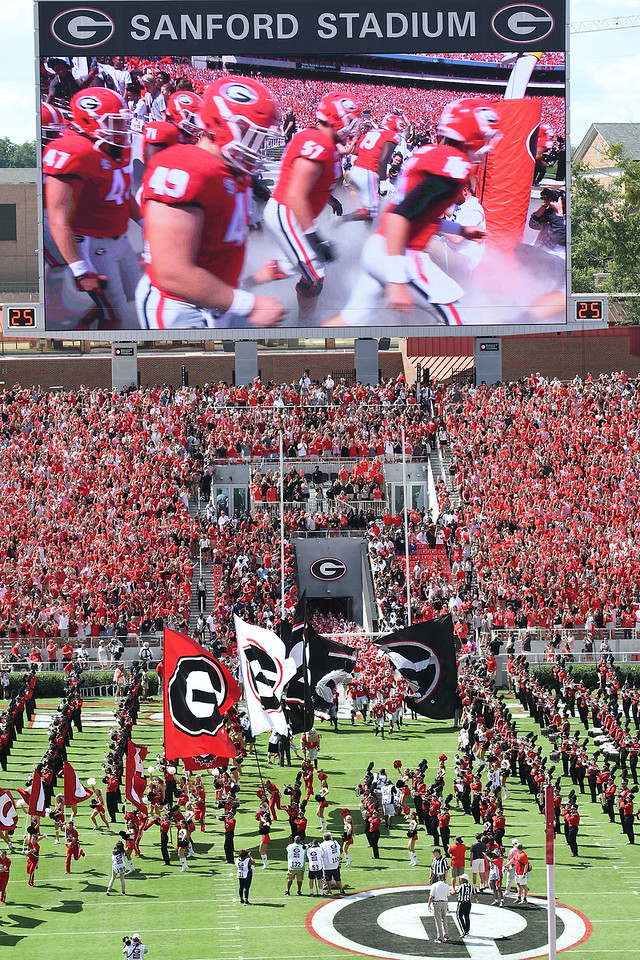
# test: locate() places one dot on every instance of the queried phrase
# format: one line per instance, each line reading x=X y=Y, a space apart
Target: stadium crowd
x=422 y=106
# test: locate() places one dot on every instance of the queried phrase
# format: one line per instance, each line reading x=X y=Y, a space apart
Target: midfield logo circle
x=394 y=923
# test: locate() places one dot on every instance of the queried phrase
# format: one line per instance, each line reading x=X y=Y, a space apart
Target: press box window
x=8 y=221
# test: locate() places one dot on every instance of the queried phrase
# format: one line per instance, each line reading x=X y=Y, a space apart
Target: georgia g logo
x=328 y=568
x=522 y=23
x=83 y=27
x=239 y=93
x=195 y=692
x=264 y=675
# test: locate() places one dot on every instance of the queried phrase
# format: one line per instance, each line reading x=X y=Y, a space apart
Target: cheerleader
x=323 y=803
x=412 y=834
x=33 y=851
x=57 y=815
x=347 y=836
x=264 y=829
x=182 y=845
x=129 y=837
x=191 y=826
x=97 y=804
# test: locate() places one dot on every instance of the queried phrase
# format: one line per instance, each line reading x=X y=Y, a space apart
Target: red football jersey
x=370 y=146
x=316 y=145
x=161 y=132
x=440 y=161
x=102 y=204
x=186 y=174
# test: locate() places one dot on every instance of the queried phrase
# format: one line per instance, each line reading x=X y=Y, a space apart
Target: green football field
x=197 y=915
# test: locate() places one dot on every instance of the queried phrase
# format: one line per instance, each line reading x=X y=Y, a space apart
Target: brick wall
x=568 y=356
x=93 y=372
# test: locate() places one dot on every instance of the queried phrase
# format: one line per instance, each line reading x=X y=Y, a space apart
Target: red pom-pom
x=397 y=764
x=406 y=811
x=260 y=794
x=321 y=775
x=345 y=813
x=443 y=756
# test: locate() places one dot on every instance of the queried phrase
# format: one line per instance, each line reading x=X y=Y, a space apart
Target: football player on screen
x=196 y=200
x=88 y=200
x=395 y=267
x=310 y=169
x=373 y=153
x=181 y=126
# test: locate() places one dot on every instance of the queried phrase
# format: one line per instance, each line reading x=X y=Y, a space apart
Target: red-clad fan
x=196 y=204
x=89 y=204
x=309 y=171
x=374 y=150
x=181 y=126
x=396 y=270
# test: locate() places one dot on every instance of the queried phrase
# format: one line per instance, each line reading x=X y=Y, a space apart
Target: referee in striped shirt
x=463 y=912
x=439 y=866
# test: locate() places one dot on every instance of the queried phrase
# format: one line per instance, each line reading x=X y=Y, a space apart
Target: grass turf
x=197 y=916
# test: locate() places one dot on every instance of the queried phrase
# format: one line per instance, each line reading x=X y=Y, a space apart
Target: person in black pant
x=463 y=912
x=373 y=836
x=245 y=864
x=164 y=823
x=229 y=835
x=284 y=749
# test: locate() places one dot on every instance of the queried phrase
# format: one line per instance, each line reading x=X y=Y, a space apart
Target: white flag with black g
x=266 y=669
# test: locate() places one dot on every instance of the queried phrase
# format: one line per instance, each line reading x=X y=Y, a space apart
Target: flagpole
x=255 y=753
x=406 y=526
x=281 y=527
x=551 y=869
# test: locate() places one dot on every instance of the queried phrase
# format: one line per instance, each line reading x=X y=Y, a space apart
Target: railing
x=323 y=507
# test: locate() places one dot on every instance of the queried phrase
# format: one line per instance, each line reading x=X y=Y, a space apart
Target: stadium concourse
x=526 y=537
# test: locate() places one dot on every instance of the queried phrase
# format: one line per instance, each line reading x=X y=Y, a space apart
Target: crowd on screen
x=420 y=105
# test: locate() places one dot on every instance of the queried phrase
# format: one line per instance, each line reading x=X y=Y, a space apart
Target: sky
x=605 y=69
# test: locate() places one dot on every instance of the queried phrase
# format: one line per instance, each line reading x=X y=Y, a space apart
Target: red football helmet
x=52 y=122
x=103 y=115
x=472 y=124
x=183 y=109
x=238 y=113
x=394 y=122
x=340 y=111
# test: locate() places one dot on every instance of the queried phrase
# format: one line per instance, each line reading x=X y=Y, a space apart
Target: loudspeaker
x=228 y=346
x=384 y=343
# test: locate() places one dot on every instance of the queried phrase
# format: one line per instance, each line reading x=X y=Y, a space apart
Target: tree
x=17 y=154
x=605 y=231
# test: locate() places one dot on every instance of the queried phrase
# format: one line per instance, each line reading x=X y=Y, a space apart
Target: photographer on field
x=133 y=948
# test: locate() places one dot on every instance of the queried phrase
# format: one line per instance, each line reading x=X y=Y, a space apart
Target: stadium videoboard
x=376 y=170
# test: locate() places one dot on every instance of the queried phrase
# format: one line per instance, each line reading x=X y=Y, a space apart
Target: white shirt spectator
x=295 y=856
x=331 y=856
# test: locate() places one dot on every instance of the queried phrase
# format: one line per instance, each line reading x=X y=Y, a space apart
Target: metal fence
x=324 y=507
